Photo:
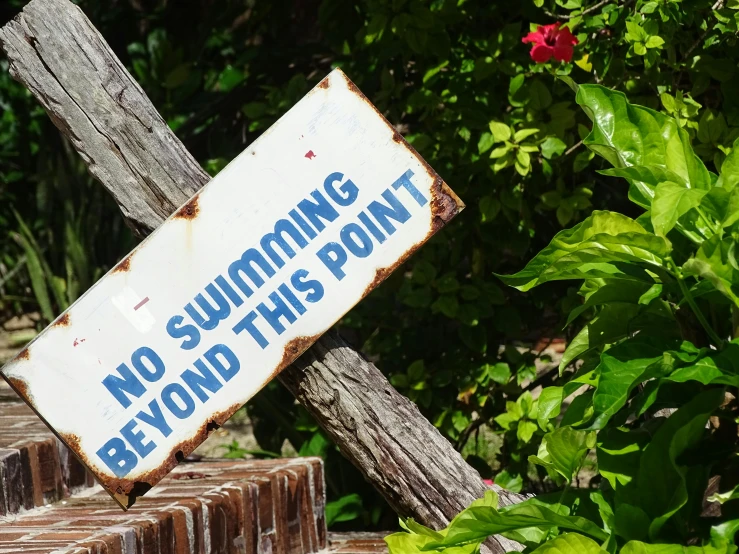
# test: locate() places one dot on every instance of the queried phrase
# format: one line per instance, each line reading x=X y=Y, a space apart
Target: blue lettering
x=204 y=380
x=303 y=224
x=226 y=287
x=290 y=296
x=126 y=383
x=136 y=439
x=247 y=324
x=213 y=314
x=320 y=209
x=333 y=257
x=383 y=213
x=313 y=287
x=347 y=237
x=273 y=315
x=175 y=389
x=119 y=459
x=176 y=331
x=283 y=226
x=146 y=353
x=350 y=190
x=155 y=419
x=405 y=182
x=228 y=356
x=244 y=265
x=371 y=227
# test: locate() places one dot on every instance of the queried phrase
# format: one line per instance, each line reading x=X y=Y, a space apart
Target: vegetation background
x=454 y=78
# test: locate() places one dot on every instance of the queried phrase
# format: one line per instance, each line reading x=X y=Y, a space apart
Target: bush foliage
x=659 y=405
x=455 y=79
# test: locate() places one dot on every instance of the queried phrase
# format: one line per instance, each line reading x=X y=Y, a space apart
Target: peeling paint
x=126 y=491
x=62 y=321
x=189 y=210
x=20 y=387
x=124 y=265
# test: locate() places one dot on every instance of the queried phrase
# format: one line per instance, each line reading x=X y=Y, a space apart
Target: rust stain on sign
x=232 y=288
x=189 y=210
x=62 y=321
x=124 y=265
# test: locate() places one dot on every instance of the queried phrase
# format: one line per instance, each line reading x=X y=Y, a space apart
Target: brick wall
x=49 y=503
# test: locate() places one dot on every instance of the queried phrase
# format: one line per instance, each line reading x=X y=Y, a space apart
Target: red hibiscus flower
x=551 y=41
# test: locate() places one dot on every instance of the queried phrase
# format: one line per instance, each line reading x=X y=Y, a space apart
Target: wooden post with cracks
x=56 y=52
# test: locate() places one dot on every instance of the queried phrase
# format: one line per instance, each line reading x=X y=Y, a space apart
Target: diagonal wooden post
x=58 y=54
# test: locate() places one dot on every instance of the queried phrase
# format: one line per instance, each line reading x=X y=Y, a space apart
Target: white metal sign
x=232 y=288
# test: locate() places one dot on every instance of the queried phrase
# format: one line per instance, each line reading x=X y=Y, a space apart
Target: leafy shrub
x=658 y=365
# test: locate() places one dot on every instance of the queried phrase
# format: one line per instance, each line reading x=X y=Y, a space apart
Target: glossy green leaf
x=711 y=262
x=606 y=244
x=501 y=132
x=621 y=369
x=477 y=523
x=729 y=176
x=643 y=181
x=672 y=201
x=662 y=477
x=552 y=147
x=631 y=135
x=636 y=547
x=570 y=543
x=563 y=450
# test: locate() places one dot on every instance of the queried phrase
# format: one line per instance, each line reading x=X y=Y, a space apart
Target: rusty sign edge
x=444 y=206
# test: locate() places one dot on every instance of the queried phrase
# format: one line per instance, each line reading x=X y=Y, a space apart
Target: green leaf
x=346 y=508
x=672 y=201
x=655 y=291
x=722 y=497
x=570 y=543
x=635 y=32
x=636 y=547
x=38 y=279
x=550 y=404
x=643 y=181
x=630 y=135
x=539 y=96
x=730 y=169
x=524 y=134
x=722 y=205
x=526 y=430
x=711 y=262
x=622 y=368
x=654 y=42
x=489 y=208
x=508 y=481
x=606 y=244
x=499 y=373
x=661 y=477
x=711 y=126
x=501 y=151
x=564 y=450
x=619 y=454
x=476 y=524
x=552 y=147
x=501 y=132
x=485 y=143
x=716 y=368
x=610 y=291
x=631 y=522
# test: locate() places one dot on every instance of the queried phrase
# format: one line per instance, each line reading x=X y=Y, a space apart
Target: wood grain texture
x=58 y=54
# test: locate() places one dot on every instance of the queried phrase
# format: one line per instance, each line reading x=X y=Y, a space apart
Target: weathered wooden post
x=57 y=53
